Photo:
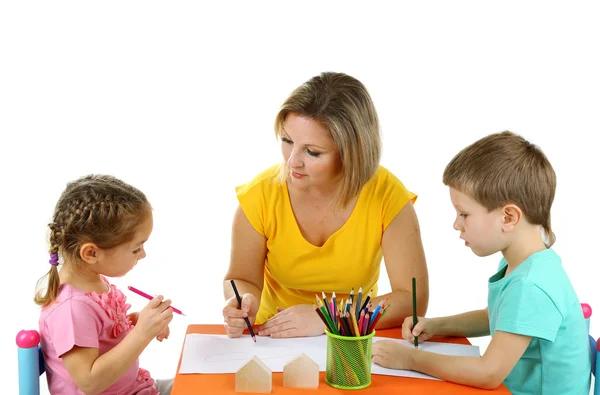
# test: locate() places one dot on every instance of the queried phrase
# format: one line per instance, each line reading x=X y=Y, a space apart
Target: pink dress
x=88 y=319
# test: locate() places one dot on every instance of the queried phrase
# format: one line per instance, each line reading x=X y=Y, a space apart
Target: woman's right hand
x=155 y=317
x=235 y=323
x=424 y=329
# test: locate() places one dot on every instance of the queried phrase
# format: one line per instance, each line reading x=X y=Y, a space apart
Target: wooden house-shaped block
x=301 y=372
x=254 y=376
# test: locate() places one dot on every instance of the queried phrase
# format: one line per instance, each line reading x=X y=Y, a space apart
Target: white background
x=179 y=99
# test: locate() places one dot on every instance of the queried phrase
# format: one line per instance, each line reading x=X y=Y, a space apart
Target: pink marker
x=145 y=295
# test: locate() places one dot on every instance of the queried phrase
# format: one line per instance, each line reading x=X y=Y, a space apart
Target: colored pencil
x=379 y=306
x=145 y=295
x=334 y=307
x=415 y=320
x=239 y=299
x=326 y=303
x=322 y=318
x=358 y=305
x=328 y=318
x=366 y=302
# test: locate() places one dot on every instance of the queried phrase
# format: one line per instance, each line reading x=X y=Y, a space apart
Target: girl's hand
x=425 y=329
x=296 y=321
x=234 y=316
x=154 y=318
x=392 y=355
x=164 y=334
x=133 y=318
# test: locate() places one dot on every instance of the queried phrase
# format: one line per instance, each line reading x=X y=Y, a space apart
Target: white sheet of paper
x=220 y=354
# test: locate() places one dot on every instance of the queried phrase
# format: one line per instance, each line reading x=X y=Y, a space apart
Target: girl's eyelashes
x=463 y=215
x=312 y=153
x=138 y=250
x=286 y=140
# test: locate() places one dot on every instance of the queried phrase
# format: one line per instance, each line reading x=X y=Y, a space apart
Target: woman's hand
x=297 y=321
x=234 y=316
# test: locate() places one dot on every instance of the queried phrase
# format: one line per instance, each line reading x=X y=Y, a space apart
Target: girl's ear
x=89 y=253
x=511 y=216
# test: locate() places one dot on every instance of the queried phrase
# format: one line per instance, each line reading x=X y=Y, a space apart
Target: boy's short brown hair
x=505 y=168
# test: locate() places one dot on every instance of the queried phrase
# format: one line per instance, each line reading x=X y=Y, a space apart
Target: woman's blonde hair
x=504 y=168
x=343 y=106
x=100 y=209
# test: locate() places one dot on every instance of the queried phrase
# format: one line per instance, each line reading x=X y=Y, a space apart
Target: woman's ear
x=511 y=216
x=89 y=253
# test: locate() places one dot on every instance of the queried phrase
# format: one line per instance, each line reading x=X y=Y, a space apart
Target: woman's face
x=310 y=152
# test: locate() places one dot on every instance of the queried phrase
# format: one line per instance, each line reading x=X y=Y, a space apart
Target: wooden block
x=301 y=372
x=254 y=376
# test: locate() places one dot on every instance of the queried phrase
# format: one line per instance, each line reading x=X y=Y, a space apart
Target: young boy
x=502 y=188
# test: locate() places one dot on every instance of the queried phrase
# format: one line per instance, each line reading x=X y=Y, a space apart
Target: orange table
x=215 y=384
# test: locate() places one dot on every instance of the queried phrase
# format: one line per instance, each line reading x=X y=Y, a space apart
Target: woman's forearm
x=400 y=307
x=242 y=286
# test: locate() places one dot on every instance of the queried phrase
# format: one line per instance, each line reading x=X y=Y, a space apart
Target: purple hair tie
x=53 y=259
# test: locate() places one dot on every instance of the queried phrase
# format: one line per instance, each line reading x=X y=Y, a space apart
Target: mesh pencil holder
x=348 y=363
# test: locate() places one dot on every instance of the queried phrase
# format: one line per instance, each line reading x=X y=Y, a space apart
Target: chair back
x=30 y=361
x=594 y=347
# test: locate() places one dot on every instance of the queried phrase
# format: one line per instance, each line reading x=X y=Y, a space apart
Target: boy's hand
x=392 y=355
x=424 y=329
x=164 y=334
x=235 y=323
x=154 y=318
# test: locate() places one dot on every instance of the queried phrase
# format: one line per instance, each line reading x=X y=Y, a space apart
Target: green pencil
x=414 y=292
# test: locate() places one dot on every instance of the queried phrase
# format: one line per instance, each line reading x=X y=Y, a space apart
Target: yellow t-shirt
x=296 y=270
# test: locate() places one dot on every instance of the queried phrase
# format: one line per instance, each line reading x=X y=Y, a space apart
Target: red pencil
x=145 y=295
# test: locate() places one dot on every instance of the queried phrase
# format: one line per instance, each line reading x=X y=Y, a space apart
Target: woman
x=323 y=218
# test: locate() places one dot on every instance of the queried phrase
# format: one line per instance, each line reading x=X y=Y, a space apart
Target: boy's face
x=479 y=228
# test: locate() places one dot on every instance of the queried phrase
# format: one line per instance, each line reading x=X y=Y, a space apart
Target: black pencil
x=237 y=296
x=415 y=320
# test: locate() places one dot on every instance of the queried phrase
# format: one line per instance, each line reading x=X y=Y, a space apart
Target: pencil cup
x=348 y=363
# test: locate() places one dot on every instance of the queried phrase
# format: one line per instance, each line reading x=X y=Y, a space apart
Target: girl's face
x=310 y=152
x=119 y=260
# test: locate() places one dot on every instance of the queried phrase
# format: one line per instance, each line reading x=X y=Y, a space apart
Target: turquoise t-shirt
x=537 y=299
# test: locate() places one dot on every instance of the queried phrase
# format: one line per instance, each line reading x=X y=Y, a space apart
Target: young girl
x=90 y=345
x=502 y=187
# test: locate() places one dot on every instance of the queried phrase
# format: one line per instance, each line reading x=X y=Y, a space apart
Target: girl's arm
x=94 y=373
x=488 y=371
x=404 y=259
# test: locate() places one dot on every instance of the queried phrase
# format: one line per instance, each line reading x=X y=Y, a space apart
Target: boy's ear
x=511 y=216
x=89 y=253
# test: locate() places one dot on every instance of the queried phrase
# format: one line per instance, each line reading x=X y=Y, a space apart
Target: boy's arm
x=93 y=373
x=472 y=324
x=487 y=372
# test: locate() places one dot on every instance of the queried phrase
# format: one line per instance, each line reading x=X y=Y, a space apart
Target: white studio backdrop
x=179 y=99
